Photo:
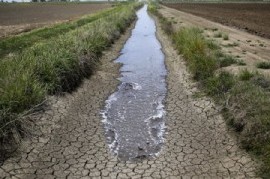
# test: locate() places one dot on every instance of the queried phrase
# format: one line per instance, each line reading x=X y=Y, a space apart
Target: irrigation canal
x=134 y=114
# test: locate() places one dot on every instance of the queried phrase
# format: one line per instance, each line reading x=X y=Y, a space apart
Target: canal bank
x=73 y=144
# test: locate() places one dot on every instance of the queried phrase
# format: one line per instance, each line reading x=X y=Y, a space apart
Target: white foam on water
x=136 y=86
x=160 y=126
x=108 y=104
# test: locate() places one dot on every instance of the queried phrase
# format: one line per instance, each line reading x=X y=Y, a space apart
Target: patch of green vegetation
x=241 y=62
x=218 y=35
x=219 y=85
x=245 y=75
x=227 y=61
x=245 y=98
x=248 y=109
x=54 y=66
x=190 y=42
x=18 y=43
x=234 y=44
x=263 y=65
x=225 y=37
x=212 y=45
x=260 y=80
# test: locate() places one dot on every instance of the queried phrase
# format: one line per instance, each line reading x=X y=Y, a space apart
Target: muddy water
x=134 y=114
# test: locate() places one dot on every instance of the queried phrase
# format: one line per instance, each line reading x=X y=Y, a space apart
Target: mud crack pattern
x=71 y=143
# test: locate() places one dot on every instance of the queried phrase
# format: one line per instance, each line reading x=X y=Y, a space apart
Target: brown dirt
x=17 y=18
x=247 y=47
x=252 y=17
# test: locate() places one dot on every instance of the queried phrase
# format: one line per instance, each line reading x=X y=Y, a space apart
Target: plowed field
x=251 y=17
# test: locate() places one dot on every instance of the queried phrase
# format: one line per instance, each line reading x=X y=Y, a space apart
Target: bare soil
x=17 y=18
x=252 y=17
x=245 y=46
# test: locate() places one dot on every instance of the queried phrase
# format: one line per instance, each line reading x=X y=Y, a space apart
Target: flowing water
x=134 y=116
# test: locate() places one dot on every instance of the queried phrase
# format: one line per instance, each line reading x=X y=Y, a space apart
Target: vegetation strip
x=20 y=42
x=56 y=65
x=245 y=98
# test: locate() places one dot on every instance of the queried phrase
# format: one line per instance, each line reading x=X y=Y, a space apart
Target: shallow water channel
x=134 y=116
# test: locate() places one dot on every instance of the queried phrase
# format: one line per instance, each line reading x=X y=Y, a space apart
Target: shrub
x=263 y=65
x=226 y=61
x=217 y=86
x=218 y=35
x=225 y=37
x=245 y=75
x=194 y=48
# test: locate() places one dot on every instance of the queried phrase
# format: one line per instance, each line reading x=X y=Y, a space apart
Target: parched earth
x=71 y=141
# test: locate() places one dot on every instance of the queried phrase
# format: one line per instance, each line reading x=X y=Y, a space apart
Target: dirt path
x=245 y=46
x=71 y=143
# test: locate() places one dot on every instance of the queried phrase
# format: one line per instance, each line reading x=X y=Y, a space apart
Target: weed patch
x=194 y=48
x=245 y=75
x=263 y=65
x=218 y=35
x=227 y=61
x=231 y=45
x=225 y=37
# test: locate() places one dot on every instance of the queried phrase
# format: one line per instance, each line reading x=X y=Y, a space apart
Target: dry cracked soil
x=70 y=142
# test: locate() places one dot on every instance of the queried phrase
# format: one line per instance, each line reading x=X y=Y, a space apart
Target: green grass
x=218 y=35
x=225 y=37
x=234 y=44
x=245 y=98
x=263 y=65
x=241 y=62
x=18 y=43
x=245 y=75
x=194 y=48
x=227 y=61
x=54 y=66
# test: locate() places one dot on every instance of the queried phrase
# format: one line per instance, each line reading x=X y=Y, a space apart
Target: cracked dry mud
x=71 y=141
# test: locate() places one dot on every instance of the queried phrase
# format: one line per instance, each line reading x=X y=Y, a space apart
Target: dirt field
x=245 y=46
x=16 y=18
x=252 y=17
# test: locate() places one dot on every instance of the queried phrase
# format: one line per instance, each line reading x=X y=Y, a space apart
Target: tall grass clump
x=194 y=48
x=245 y=98
x=54 y=66
x=263 y=65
